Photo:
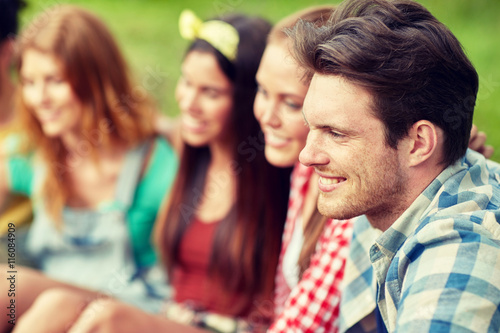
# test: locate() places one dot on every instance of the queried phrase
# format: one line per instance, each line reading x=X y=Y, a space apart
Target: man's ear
x=423 y=143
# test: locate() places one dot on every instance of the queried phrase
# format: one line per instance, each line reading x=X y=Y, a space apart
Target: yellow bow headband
x=221 y=35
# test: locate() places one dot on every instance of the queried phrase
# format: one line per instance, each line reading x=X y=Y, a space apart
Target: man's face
x=359 y=173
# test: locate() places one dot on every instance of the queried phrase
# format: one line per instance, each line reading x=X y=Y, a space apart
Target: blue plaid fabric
x=438 y=266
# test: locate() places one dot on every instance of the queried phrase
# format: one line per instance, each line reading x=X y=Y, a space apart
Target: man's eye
x=336 y=134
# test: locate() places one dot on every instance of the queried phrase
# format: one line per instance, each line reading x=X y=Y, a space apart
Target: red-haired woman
x=98 y=174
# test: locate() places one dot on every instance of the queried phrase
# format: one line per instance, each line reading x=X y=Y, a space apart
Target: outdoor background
x=147 y=31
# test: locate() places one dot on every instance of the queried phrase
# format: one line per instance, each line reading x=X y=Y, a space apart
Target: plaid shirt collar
x=388 y=243
x=372 y=252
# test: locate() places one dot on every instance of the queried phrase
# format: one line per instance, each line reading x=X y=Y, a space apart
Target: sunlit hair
x=247 y=242
x=318 y=16
x=412 y=64
x=114 y=114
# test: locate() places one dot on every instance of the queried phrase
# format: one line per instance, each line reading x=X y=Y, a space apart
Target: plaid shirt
x=312 y=305
x=438 y=266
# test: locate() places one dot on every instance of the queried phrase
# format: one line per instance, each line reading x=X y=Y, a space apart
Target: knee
x=59 y=299
x=51 y=311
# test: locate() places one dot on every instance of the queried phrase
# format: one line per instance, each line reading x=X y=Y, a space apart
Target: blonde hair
x=319 y=15
x=315 y=14
x=97 y=72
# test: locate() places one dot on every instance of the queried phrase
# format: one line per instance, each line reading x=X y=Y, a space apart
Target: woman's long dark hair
x=247 y=242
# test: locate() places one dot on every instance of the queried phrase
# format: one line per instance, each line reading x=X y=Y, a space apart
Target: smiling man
x=390 y=109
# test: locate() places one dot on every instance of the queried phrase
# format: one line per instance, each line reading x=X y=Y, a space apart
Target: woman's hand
x=477 y=142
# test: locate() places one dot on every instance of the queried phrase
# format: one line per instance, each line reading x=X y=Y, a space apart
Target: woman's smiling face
x=48 y=94
x=205 y=98
x=278 y=105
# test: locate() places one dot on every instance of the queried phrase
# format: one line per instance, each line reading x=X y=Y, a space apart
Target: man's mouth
x=328 y=184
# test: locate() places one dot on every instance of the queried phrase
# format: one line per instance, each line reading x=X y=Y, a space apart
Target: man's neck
x=420 y=179
x=385 y=218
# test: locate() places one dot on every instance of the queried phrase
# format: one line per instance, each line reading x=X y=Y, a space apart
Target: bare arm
x=110 y=316
x=73 y=312
x=28 y=284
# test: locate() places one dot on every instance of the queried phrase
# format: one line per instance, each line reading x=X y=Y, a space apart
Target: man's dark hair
x=8 y=17
x=412 y=64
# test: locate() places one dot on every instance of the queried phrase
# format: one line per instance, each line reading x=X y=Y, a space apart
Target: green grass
x=147 y=31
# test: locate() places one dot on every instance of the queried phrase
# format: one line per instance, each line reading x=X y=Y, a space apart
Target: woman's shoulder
x=164 y=146
x=169 y=128
x=153 y=150
x=160 y=165
x=162 y=152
